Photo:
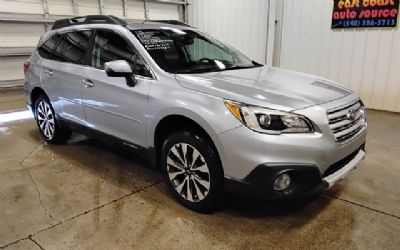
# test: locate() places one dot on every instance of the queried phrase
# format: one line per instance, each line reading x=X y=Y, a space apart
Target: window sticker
x=154 y=40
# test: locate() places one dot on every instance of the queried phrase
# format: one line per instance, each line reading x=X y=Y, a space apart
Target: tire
x=47 y=123
x=201 y=168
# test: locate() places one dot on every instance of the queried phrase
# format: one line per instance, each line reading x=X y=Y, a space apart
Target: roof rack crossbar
x=90 y=19
x=174 y=22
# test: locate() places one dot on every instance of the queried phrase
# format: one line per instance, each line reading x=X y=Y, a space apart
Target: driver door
x=110 y=105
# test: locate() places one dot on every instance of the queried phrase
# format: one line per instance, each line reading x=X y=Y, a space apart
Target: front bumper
x=252 y=160
x=345 y=169
x=306 y=179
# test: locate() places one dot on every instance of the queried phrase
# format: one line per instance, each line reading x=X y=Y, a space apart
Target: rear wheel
x=193 y=172
x=47 y=124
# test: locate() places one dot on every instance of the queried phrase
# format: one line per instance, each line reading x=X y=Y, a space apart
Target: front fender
x=207 y=111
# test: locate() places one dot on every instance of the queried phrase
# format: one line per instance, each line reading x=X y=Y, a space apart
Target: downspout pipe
x=266 y=48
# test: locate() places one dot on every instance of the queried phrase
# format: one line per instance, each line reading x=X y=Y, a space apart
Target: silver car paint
x=66 y=98
x=133 y=113
x=266 y=86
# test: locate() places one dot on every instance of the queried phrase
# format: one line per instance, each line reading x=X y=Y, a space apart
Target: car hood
x=266 y=87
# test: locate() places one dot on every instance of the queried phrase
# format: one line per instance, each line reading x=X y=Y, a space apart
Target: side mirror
x=120 y=68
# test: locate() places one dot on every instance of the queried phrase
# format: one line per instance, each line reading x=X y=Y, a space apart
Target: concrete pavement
x=87 y=195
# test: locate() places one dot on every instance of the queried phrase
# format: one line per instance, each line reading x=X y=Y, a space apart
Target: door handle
x=48 y=72
x=88 y=83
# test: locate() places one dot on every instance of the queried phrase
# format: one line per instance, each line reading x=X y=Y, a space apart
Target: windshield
x=188 y=51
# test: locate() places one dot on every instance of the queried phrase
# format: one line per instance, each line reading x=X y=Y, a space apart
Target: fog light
x=282 y=182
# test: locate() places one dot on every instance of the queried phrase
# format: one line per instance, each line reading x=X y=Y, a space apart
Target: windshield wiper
x=216 y=69
x=254 y=65
x=194 y=71
x=198 y=69
x=241 y=67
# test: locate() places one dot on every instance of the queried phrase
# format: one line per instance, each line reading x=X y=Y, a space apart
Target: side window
x=47 y=47
x=109 y=46
x=75 y=47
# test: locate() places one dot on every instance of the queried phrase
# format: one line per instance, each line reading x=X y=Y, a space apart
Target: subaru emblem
x=351 y=115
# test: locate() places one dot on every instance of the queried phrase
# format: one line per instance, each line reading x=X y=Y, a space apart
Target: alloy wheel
x=188 y=172
x=46 y=119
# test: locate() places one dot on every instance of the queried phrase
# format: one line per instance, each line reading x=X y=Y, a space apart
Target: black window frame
x=91 y=48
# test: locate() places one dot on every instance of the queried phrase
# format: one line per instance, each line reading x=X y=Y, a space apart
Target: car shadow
x=255 y=208
x=234 y=204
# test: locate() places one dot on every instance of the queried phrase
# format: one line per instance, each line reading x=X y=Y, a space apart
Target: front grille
x=343 y=162
x=347 y=121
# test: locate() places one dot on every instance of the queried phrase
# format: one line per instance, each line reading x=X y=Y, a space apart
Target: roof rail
x=174 y=22
x=90 y=19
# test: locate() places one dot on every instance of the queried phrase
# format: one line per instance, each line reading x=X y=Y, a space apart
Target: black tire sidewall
x=215 y=195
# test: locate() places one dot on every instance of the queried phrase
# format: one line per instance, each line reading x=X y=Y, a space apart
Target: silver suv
x=208 y=116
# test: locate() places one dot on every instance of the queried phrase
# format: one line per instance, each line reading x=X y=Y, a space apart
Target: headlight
x=269 y=121
x=363 y=112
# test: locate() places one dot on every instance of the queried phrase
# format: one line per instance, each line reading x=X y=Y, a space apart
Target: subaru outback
x=209 y=117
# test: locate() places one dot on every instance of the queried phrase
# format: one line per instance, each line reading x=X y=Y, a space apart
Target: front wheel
x=192 y=171
x=47 y=124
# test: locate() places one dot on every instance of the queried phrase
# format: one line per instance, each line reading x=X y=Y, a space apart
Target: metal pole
x=279 y=35
x=101 y=5
x=75 y=7
x=45 y=8
x=146 y=14
x=266 y=49
x=186 y=12
x=45 y=13
x=125 y=8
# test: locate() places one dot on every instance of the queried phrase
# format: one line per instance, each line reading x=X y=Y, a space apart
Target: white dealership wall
x=365 y=60
x=22 y=22
x=299 y=37
x=242 y=24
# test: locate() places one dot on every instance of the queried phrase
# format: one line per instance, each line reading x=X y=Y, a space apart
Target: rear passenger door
x=62 y=75
x=47 y=69
x=111 y=106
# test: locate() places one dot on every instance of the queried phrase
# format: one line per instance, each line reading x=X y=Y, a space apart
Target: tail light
x=26 y=66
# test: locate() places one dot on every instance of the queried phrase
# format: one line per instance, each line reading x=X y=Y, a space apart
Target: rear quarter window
x=46 y=49
x=57 y=53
